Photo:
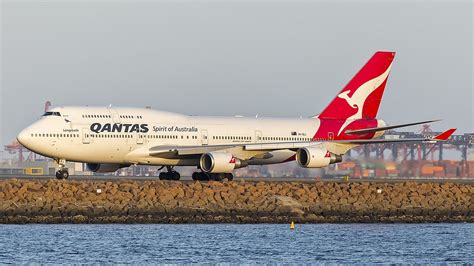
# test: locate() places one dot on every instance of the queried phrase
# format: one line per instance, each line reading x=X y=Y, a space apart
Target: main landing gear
x=202 y=176
x=62 y=172
x=170 y=174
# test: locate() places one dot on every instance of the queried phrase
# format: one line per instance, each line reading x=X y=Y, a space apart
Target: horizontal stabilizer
x=441 y=137
x=376 y=129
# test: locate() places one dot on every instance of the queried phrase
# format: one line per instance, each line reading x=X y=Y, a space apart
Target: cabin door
x=86 y=136
x=204 y=139
x=140 y=138
x=114 y=114
x=258 y=136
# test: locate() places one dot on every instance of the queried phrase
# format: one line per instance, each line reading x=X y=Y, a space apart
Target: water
x=229 y=243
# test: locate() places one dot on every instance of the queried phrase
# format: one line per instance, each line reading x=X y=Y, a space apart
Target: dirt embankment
x=25 y=201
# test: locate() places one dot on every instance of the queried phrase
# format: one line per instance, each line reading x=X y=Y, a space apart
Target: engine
x=316 y=157
x=220 y=162
x=104 y=167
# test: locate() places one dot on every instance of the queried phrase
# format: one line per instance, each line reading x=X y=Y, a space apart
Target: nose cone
x=24 y=138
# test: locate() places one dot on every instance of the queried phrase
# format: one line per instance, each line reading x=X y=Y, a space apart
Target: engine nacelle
x=104 y=167
x=315 y=157
x=219 y=162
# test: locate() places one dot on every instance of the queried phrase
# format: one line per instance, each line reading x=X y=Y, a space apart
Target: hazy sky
x=282 y=58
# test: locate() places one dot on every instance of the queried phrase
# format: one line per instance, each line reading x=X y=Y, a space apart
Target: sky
x=271 y=58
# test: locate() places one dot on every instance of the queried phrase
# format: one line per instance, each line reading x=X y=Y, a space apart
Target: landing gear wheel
x=65 y=174
x=201 y=176
x=162 y=176
x=170 y=175
x=229 y=176
x=217 y=177
x=175 y=176
x=205 y=176
x=62 y=174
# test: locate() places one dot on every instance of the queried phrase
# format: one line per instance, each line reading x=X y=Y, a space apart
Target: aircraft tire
x=202 y=176
x=58 y=175
x=169 y=176
x=217 y=176
x=229 y=176
x=162 y=176
x=175 y=176
x=64 y=174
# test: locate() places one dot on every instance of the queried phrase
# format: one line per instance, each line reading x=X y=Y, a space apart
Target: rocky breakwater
x=34 y=201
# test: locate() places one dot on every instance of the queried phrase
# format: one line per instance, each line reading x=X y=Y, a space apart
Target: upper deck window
x=52 y=113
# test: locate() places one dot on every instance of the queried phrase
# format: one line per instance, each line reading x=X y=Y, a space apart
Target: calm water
x=373 y=243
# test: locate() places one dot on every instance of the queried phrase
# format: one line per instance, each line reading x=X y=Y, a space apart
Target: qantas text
x=127 y=128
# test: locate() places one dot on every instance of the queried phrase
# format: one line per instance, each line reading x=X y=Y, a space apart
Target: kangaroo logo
x=345 y=96
x=357 y=99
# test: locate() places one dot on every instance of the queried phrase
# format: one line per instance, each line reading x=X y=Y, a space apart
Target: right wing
x=262 y=148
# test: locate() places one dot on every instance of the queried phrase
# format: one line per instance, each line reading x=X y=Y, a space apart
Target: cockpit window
x=52 y=113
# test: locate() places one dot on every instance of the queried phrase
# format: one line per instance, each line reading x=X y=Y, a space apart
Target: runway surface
x=253 y=179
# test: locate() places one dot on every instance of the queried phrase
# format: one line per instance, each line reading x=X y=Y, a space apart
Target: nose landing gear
x=63 y=172
x=170 y=174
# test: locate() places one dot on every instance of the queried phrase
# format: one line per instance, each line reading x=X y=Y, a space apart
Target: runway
x=251 y=179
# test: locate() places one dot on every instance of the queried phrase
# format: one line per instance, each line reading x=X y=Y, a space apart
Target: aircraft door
x=115 y=115
x=140 y=138
x=258 y=136
x=204 y=139
x=86 y=138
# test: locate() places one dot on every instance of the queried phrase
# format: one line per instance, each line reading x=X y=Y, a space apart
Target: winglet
x=445 y=135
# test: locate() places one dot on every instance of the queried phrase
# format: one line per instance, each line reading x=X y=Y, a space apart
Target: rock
x=26 y=201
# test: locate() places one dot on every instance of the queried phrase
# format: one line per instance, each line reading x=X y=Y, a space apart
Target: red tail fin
x=361 y=97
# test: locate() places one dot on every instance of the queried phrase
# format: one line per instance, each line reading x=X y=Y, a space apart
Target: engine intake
x=314 y=157
x=104 y=167
x=220 y=162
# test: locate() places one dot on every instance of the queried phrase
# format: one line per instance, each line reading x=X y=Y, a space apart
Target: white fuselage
x=125 y=135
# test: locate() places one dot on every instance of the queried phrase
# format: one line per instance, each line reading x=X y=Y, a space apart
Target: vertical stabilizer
x=361 y=97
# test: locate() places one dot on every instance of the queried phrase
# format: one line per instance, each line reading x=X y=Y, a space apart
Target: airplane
x=110 y=138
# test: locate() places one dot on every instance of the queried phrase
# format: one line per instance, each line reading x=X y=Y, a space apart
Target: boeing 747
x=110 y=138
